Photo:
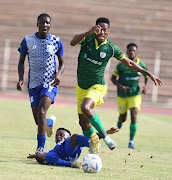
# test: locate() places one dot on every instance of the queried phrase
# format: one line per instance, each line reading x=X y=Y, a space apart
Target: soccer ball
x=91 y=163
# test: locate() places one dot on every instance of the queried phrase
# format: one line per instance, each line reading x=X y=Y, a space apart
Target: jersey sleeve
x=60 y=48
x=87 y=39
x=118 y=53
x=117 y=70
x=23 y=48
x=116 y=73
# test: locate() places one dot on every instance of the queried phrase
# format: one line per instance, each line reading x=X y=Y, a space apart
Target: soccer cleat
x=111 y=144
x=40 y=149
x=94 y=144
x=50 y=129
x=119 y=123
x=131 y=145
x=76 y=164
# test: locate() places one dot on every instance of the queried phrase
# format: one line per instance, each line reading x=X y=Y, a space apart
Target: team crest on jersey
x=49 y=48
x=34 y=47
x=102 y=54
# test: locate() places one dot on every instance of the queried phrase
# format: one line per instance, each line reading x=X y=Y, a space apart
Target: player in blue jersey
x=41 y=49
x=68 y=148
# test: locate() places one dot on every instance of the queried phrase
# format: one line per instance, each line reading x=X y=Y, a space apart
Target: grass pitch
x=152 y=159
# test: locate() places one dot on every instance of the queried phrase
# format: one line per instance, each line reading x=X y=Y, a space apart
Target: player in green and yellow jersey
x=96 y=50
x=128 y=91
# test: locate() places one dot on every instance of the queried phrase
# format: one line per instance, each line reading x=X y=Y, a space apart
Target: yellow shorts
x=95 y=92
x=127 y=103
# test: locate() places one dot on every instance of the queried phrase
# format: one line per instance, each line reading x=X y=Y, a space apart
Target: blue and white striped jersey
x=41 y=57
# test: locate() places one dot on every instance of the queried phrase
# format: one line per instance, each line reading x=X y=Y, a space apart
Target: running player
x=43 y=79
x=69 y=148
x=128 y=91
x=96 y=50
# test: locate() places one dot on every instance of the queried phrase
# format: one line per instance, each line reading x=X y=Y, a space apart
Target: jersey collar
x=43 y=38
x=96 y=43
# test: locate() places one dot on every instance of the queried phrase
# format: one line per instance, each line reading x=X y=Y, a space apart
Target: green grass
x=152 y=159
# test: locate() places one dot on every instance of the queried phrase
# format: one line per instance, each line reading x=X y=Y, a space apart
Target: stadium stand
x=147 y=23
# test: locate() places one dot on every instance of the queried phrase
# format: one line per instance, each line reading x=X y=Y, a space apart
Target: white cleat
x=111 y=144
x=50 y=129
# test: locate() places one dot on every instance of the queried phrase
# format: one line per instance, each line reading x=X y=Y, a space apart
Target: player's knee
x=85 y=108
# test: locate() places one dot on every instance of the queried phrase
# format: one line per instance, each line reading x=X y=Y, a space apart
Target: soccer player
x=95 y=52
x=68 y=148
x=128 y=91
x=41 y=49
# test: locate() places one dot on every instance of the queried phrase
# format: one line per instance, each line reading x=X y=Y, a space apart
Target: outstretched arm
x=134 y=66
x=78 y=37
x=44 y=158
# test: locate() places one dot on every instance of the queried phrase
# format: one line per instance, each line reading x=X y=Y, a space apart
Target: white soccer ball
x=91 y=163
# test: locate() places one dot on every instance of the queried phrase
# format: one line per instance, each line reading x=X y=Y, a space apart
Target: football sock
x=52 y=160
x=119 y=123
x=88 y=132
x=49 y=122
x=83 y=141
x=133 y=129
x=41 y=140
x=95 y=121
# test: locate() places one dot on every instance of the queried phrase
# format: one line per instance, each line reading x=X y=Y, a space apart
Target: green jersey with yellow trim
x=130 y=78
x=92 y=61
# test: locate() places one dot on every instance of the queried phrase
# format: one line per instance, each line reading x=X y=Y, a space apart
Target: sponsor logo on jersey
x=92 y=60
x=132 y=78
x=102 y=54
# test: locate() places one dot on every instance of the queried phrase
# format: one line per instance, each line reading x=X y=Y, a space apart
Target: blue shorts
x=65 y=151
x=39 y=91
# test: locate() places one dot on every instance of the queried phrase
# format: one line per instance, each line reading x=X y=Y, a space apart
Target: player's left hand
x=55 y=80
x=156 y=80
x=76 y=164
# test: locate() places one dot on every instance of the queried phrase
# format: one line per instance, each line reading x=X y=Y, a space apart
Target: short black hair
x=131 y=44
x=103 y=20
x=64 y=130
x=43 y=15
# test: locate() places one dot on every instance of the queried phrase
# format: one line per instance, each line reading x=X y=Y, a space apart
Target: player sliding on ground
x=96 y=50
x=69 y=148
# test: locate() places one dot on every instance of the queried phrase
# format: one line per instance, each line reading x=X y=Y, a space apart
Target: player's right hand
x=20 y=85
x=96 y=29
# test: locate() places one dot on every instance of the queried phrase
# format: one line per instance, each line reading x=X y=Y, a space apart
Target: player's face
x=61 y=135
x=44 y=25
x=132 y=52
x=103 y=33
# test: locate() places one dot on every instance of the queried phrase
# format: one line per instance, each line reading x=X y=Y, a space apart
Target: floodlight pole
x=156 y=73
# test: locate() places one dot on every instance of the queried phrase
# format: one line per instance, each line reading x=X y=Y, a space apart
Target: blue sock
x=49 y=122
x=41 y=140
x=56 y=161
x=83 y=141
